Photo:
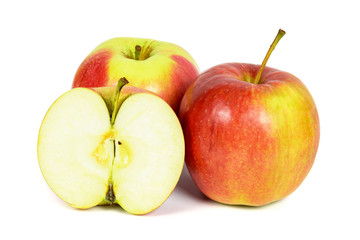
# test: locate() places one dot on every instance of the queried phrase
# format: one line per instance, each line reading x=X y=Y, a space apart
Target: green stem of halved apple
x=279 y=35
x=137 y=52
x=116 y=101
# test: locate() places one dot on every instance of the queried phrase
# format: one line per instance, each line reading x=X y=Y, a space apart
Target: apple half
x=100 y=146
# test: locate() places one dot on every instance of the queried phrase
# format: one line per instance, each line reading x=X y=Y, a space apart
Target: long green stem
x=280 y=34
x=137 y=52
x=121 y=83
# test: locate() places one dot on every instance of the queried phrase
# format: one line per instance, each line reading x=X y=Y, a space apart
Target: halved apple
x=100 y=146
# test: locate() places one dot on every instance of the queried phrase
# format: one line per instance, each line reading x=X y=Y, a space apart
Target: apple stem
x=279 y=35
x=121 y=83
x=137 y=52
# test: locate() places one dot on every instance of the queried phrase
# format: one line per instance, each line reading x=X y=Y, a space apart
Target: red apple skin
x=248 y=144
x=93 y=71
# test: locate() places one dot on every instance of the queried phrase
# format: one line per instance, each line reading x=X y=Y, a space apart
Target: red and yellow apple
x=102 y=146
x=161 y=67
x=251 y=132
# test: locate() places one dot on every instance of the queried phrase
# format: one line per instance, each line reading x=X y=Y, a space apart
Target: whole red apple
x=161 y=67
x=251 y=132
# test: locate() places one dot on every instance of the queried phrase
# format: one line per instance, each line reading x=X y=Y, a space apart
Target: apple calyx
x=137 y=52
x=110 y=196
x=279 y=35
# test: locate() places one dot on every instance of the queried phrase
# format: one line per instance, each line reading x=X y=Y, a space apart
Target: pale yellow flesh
x=153 y=147
x=79 y=159
x=71 y=130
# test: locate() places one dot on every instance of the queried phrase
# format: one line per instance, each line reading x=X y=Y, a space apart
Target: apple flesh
x=87 y=159
x=161 y=67
x=249 y=143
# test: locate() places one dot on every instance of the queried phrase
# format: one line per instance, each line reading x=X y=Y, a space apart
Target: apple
x=111 y=146
x=161 y=67
x=251 y=132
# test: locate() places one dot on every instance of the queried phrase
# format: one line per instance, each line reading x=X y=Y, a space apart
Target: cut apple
x=87 y=159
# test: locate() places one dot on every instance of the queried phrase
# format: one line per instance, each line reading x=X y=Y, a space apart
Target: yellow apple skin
x=163 y=68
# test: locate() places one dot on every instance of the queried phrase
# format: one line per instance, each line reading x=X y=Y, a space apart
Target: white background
x=43 y=42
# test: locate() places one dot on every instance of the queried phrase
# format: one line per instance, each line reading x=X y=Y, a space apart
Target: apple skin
x=163 y=68
x=248 y=144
